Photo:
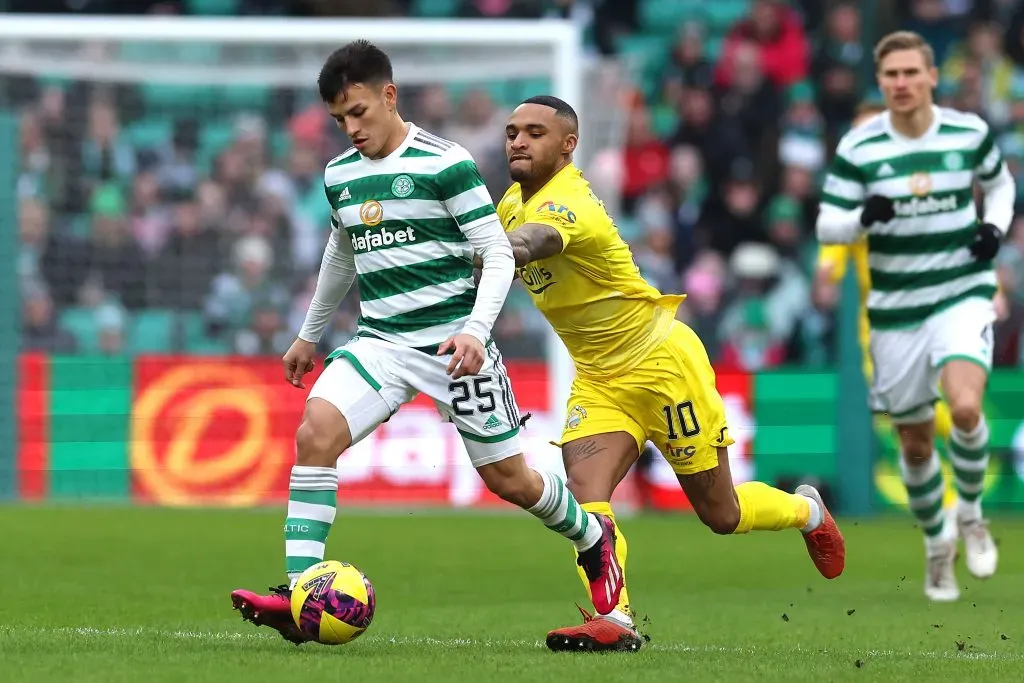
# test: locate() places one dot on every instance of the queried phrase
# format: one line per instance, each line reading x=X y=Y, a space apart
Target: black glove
x=986 y=242
x=877 y=209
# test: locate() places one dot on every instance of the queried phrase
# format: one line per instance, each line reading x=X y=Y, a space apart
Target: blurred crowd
x=158 y=244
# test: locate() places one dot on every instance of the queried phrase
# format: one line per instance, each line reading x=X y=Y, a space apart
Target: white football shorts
x=908 y=362
x=369 y=379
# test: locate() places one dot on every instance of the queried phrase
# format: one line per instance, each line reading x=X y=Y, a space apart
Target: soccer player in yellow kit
x=640 y=373
x=833 y=260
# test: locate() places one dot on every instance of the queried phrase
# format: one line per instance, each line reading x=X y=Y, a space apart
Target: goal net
x=171 y=218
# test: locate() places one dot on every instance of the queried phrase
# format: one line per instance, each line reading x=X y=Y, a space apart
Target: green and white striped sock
x=968 y=451
x=560 y=512
x=312 y=501
x=925 y=489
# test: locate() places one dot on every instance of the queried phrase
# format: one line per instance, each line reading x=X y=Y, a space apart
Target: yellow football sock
x=605 y=509
x=768 y=509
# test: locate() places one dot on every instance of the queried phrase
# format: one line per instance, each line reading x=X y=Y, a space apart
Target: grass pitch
x=122 y=594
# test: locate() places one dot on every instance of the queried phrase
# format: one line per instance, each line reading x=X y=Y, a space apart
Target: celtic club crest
x=402 y=186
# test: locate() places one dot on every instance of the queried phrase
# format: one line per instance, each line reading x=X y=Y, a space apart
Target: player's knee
x=721 y=519
x=965 y=412
x=916 y=444
x=321 y=438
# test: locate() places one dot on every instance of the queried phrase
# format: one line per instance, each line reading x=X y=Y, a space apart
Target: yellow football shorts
x=670 y=398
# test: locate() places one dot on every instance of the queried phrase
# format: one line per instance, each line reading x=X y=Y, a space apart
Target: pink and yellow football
x=333 y=602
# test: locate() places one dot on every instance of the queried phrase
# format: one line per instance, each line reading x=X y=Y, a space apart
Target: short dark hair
x=358 y=62
x=561 y=107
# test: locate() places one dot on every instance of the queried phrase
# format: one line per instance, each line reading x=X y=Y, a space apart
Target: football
x=333 y=602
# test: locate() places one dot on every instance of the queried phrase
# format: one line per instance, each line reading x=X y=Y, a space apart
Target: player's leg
x=599 y=445
x=344 y=405
x=506 y=473
x=904 y=389
x=594 y=467
x=545 y=496
x=921 y=471
x=600 y=442
x=484 y=410
x=687 y=419
x=964 y=358
x=593 y=536
x=756 y=506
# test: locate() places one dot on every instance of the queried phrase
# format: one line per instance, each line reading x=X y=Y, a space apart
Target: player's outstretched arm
x=534 y=241
x=337 y=272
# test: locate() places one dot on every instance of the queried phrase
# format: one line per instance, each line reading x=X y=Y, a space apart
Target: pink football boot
x=273 y=610
x=602 y=568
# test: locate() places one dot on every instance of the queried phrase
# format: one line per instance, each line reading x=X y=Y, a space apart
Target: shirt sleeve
x=468 y=201
x=996 y=181
x=841 y=198
x=337 y=273
x=563 y=213
x=844 y=182
x=988 y=159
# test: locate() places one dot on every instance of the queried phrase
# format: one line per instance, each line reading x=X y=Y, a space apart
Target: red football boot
x=595 y=634
x=274 y=610
x=602 y=568
x=825 y=544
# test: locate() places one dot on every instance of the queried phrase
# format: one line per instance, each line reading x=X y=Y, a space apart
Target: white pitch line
x=236 y=636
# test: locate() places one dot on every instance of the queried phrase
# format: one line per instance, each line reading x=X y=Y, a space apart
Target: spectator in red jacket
x=779 y=33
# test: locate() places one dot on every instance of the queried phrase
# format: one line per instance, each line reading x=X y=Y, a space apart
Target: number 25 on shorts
x=461 y=395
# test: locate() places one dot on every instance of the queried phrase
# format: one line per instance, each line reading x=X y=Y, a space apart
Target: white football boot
x=939 y=578
x=981 y=554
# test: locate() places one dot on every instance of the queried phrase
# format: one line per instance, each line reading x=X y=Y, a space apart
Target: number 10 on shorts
x=683 y=412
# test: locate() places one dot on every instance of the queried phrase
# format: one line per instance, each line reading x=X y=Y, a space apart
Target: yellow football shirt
x=592 y=293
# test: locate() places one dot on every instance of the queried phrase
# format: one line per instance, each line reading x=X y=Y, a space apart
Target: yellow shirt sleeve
x=565 y=218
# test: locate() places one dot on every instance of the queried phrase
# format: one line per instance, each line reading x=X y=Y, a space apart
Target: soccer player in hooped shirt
x=409 y=213
x=640 y=374
x=905 y=180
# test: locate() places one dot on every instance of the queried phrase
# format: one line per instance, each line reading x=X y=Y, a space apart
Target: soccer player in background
x=409 y=213
x=640 y=373
x=833 y=260
x=905 y=181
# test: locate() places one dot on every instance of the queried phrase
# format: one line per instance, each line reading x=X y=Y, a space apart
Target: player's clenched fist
x=467 y=355
x=877 y=209
x=298 y=360
x=986 y=242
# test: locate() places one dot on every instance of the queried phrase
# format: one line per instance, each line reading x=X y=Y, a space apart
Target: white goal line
x=454 y=643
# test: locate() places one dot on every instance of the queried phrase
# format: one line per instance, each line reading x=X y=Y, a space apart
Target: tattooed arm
x=533 y=242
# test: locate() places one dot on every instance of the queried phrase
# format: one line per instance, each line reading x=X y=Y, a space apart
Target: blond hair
x=904 y=40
